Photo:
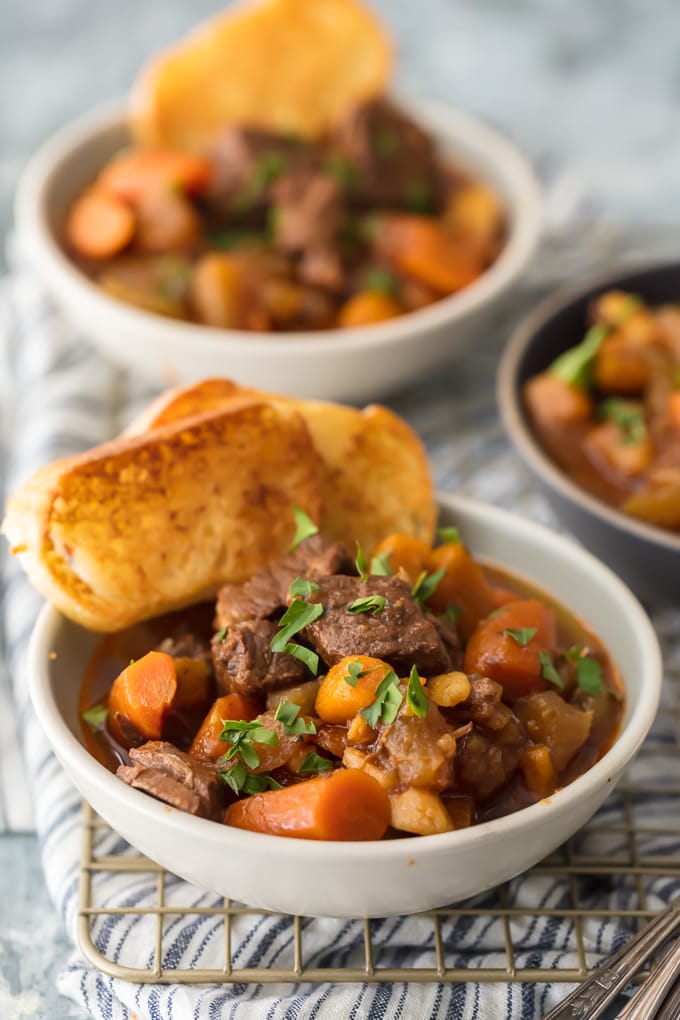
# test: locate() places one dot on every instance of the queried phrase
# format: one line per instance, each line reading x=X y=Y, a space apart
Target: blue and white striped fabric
x=58 y=396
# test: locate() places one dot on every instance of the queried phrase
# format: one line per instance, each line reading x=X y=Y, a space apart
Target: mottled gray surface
x=591 y=88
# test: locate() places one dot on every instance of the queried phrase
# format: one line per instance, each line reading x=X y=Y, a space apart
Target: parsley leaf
x=95 y=716
x=306 y=655
x=629 y=418
x=242 y=781
x=380 y=564
x=388 y=699
x=426 y=585
x=453 y=613
x=448 y=535
x=304 y=528
x=373 y=604
x=221 y=634
x=385 y=141
x=381 y=280
x=355 y=670
x=416 y=698
x=302 y=587
x=548 y=671
x=360 y=563
x=522 y=635
x=298 y=616
x=574 y=366
x=419 y=197
x=241 y=736
x=344 y=172
x=589 y=675
x=314 y=763
x=288 y=714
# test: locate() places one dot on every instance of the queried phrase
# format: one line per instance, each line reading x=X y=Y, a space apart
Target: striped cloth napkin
x=58 y=396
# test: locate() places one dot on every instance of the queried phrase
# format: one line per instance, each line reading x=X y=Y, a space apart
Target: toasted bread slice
x=289 y=66
x=150 y=523
x=376 y=478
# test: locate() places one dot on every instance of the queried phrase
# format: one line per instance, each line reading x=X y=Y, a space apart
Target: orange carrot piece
x=141 y=697
x=142 y=171
x=206 y=745
x=99 y=225
x=405 y=553
x=553 y=403
x=339 y=701
x=346 y=805
x=674 y=408
x=368 y=307
x=510 y=659
x=420 y=246
x=463 y=586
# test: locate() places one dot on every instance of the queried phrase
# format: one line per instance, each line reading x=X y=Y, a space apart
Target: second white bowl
x=339 y=364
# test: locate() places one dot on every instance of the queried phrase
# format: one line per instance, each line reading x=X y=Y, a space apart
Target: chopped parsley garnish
x=419 y=197
x=221 y=634
x=355 y=670
x=268 y=168
x=380 y=564
x=416 y=698
x=227 y=240
x=314 y=763
x=288 y=714
x=588 y=670
x=628 y=417
x=360 y=563
x=304 y=528
x=379 y=279
x=522 y=635
x=242 y=736
x=373 y=604
x=452 y=613
x=344 y=172
x=574 y=366
x=96 y=716
x=548 y=671
x=298 y=616
x=448 y=535
x=426 y=585
x=302 y=587
x=387 y=702
x=385 y=142
x=242 y=781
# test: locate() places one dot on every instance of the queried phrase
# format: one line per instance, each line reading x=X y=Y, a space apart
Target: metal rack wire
x=619 y=849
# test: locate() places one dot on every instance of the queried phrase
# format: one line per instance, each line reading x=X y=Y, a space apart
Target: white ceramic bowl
x=394 y=876
x=340 y=364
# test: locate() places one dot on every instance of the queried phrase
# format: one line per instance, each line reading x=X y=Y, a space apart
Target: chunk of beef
x=401 y=634
x=487 y=760
x=170 y=775
x=448 y=631
x=246 y=164
x=245 y=663
x=266 y=593
x=321 y=266
x=186 y=646
x=393 y=158
x=485 y=705
x=308 y=210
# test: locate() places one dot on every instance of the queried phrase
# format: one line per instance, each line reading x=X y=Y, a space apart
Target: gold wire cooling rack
x=630 y=852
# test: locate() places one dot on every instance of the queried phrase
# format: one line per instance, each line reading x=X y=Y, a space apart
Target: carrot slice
x=506 y=646
x=366 y=307
x=462 y=587
x=346 y=689
x=345 y=805
x=206 y=745
x=141 y=698
x=420 y=247
x=142 y=171
x=405 y=553
x=99 y=225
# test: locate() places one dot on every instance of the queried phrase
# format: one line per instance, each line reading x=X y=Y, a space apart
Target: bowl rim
x=515 y=178
x=514 y=418
x=80 y=762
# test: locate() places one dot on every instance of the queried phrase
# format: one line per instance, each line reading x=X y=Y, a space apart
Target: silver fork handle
x=591 y=998
x=646 y=1001
x=671 y=1007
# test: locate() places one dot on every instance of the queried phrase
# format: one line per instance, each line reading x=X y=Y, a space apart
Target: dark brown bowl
x=646 y=557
